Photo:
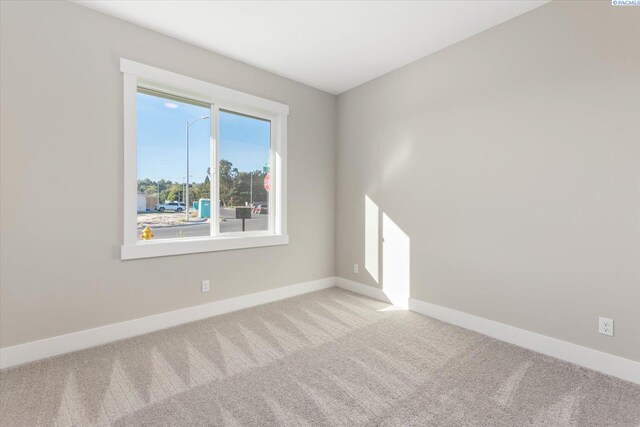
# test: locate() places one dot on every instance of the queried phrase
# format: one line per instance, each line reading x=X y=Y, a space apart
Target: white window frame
x=137 y=75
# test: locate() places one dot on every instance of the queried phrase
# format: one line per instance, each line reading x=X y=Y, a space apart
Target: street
x=230 y=224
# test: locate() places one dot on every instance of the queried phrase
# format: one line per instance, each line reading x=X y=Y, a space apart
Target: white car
x=171 y=206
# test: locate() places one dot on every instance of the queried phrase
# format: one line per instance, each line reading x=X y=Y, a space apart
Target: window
x=204 y=166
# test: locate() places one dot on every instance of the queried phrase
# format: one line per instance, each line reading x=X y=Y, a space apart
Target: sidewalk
x=166 y=220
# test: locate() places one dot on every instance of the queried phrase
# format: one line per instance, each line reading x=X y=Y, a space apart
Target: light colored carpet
x=326 y=358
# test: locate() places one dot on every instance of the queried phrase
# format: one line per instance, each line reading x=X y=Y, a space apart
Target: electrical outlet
x=605 y=326
x=205 y=286
x=356 y=269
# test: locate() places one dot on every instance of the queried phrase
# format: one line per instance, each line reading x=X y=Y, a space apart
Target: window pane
x=164 y=123
x=245 y=149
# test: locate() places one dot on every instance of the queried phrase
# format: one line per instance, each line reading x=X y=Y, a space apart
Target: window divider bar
x=215 y=172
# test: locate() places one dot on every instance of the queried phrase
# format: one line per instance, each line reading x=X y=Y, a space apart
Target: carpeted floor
x=326 y=358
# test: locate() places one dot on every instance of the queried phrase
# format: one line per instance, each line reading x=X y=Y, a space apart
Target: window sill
x=159 y=248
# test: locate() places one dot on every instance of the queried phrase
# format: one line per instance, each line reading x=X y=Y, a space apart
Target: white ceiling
x=330 y=45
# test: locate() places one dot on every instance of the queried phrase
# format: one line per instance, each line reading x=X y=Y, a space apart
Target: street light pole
x=186 y=194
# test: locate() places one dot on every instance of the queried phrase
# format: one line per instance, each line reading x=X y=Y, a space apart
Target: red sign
x=267 y=182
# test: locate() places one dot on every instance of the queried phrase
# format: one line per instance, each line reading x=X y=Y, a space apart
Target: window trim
x=140 y=75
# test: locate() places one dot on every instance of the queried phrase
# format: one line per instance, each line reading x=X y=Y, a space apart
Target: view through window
x=245 y=147
x=175 y=198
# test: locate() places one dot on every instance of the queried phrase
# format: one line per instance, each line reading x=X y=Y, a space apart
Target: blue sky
x=244 y=141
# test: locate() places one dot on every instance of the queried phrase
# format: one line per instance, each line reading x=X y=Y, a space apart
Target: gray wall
x=61 y=96
x=511 y=161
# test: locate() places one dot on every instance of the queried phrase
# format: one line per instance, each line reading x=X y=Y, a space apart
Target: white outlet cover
x=205 y=286
x=605 y=326
x=356 y=268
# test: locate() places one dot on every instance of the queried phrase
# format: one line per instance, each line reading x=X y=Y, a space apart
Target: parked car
x=254 y=207
x=171 y=206
x=260 y=208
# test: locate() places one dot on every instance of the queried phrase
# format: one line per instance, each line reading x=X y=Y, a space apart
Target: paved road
x=257 y=222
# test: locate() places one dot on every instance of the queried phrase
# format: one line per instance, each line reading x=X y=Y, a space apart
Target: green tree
x=228 y=175
x=235 y=187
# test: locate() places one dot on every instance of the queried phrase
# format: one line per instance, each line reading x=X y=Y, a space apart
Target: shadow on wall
x=395 y=254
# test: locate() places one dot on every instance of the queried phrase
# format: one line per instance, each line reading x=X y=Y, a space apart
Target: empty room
x=320 y=213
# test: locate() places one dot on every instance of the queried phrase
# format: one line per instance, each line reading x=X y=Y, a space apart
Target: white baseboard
x=599 y=361
x=606 y=363
x=36 y=350
x=371 y=292
x=362 y=289
x=609 y=364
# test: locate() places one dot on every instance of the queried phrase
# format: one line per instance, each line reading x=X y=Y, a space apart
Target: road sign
x=267 y=182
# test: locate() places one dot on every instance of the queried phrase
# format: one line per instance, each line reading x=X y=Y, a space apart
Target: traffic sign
x=267 y=182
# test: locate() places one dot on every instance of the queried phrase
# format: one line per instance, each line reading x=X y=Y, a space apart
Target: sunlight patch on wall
x=396 y=253
x=371 y=237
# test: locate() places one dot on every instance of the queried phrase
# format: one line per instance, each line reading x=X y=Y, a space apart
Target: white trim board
x=606 y=363
x=42 y=349
x=616 y=366
x=362 y=289
x=401 y=301
x=136 y=76
x=194 y=88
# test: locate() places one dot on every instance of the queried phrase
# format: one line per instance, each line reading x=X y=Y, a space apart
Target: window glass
x=169 y=198
x=244 y=153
